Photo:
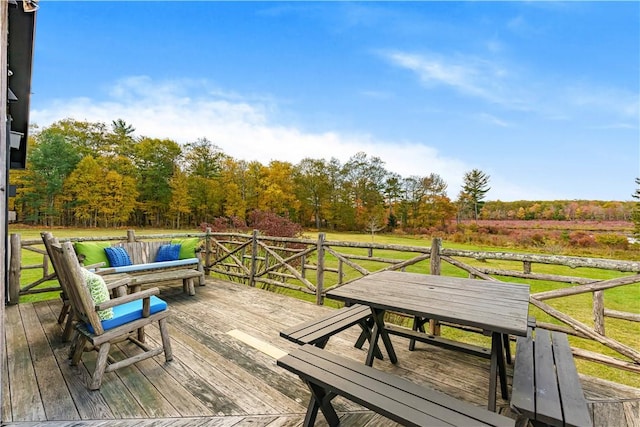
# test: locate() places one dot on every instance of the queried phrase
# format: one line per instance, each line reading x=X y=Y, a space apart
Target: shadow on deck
x=225 y=341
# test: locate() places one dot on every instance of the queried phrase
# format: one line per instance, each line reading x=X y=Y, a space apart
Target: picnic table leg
x=418 y=325
x=365 y=335
x=320 y=399
x=498 y=369
x=380 y=331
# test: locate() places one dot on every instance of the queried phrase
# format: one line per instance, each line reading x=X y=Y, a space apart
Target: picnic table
x=496 y=308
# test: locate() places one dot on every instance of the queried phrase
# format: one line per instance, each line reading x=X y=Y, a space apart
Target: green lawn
x=625 y=298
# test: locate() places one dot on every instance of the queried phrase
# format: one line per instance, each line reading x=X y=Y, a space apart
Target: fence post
x=254 y=258
x=207 y=252
x=526 y=267
x=131 y=236
x=435 y=269
x=15 y=251
x=598 y=312
x=320 y=270
x=436 y=245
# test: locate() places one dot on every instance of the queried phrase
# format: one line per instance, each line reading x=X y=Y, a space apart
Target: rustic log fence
x=311 y=266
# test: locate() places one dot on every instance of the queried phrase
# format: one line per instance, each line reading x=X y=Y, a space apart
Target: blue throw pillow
x=168 y=253
x=117 y=256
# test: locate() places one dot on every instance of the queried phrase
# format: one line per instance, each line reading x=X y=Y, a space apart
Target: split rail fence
x=311 y=266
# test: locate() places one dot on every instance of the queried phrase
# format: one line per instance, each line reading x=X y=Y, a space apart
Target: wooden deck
x=225 y=341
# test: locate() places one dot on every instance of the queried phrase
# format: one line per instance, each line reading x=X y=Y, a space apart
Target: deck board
x=217 y=379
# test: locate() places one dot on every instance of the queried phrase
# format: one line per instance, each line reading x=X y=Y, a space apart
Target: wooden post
x=598 y=312
x=436 y=245
x=303 y=270
x=370 y=252
x=131 y=236
x=320 y=270
x=254 y=258
x=435 y=269
x=340 y=271
x=15 y=250
x=526 y=267
x=207 y=252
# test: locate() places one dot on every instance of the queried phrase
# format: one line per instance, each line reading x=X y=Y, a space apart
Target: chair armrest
x=147 y=293
x=94 y=266
x=104 y=271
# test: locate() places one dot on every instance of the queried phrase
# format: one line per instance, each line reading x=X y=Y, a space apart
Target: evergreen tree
x=636 y=211
x=476 y=186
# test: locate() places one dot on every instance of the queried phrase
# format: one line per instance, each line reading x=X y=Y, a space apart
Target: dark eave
x=20 y=59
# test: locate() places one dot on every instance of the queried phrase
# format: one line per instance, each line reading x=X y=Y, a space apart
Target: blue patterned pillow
x=168 y=253
x=117 y=256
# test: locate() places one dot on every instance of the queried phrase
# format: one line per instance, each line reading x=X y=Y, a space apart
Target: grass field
x=625 y=298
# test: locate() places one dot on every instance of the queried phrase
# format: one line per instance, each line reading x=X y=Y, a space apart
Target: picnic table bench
x=546 y=387
x=318 y=331
x=400 y=400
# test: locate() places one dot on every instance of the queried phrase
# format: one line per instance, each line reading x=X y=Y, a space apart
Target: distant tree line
x=92 y=174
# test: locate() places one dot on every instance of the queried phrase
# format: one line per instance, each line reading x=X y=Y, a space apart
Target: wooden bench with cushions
x=147 y=262
x=328 y=375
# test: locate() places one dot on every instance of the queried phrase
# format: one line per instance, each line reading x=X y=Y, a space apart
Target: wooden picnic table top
x=492 y=306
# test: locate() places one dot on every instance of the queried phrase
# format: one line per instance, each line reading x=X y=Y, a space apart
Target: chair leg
x=64 y=311
x=77 y=348
x=141 y=335
x=166 y=341
x=101 y=364
x=68 y=327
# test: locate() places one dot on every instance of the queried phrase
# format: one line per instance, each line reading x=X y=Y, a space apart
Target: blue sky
x=542 y=96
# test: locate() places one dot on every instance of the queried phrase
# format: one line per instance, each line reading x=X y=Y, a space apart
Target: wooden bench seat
x=546 y=387
x=402 y=401
x=318 y=331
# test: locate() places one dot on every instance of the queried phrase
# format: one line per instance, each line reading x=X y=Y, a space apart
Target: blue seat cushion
x=118 y=256
x=129 y=312
x=154 y=265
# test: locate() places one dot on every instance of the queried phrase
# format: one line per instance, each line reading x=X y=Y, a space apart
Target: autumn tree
x=364 y=179
x=50 y=162
x=156 y=160
x=278 y=190
x=179 y=205
x=203 y=164
x=392 y=195
x=232 y=178
x=312 y=188
x=475 y=186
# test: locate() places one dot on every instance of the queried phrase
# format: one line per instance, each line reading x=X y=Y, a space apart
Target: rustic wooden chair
x=131 y=313
x=66 y=312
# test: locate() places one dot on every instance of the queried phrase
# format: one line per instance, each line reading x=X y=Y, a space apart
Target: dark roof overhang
x=20 y=59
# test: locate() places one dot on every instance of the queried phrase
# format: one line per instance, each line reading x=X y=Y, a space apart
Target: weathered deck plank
x=26 y=403
x=217 y=379
x=56 y=398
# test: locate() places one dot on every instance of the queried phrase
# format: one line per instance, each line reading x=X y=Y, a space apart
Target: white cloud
x=187 y=110
x=468 y=75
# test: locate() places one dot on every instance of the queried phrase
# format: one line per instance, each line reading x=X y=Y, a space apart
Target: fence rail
x=312 y=266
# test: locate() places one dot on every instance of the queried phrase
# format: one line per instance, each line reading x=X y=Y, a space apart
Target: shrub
x=271 y=224
x=581 y=239
x=613 y=241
